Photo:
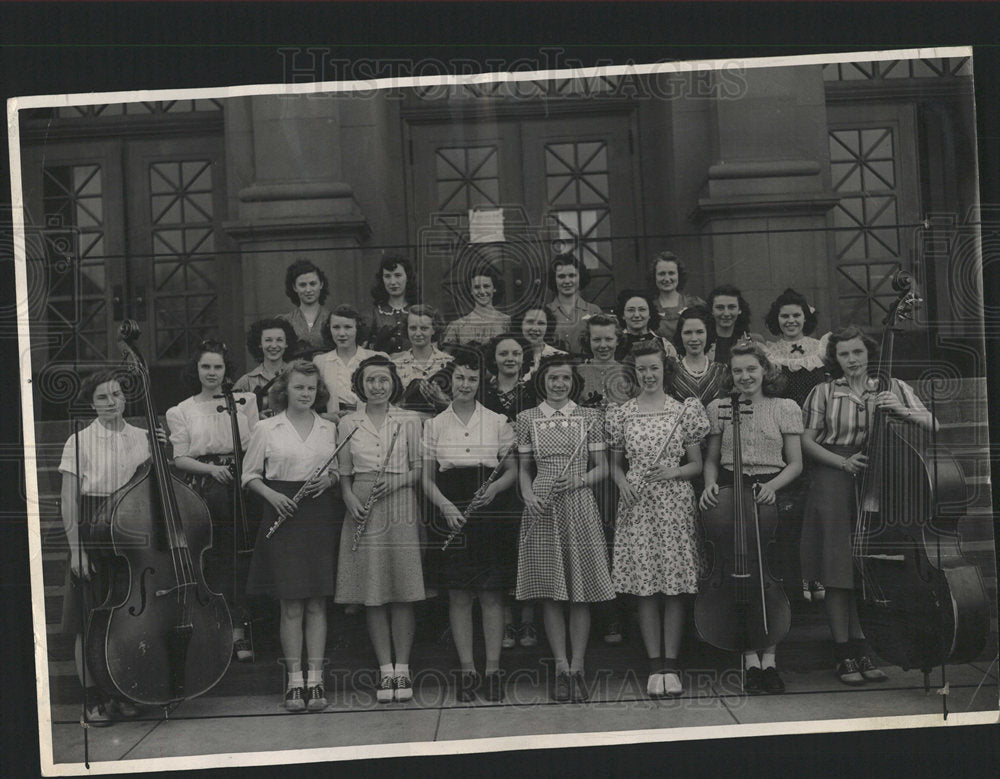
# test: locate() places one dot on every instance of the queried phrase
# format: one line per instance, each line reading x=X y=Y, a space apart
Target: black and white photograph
x=393 y=409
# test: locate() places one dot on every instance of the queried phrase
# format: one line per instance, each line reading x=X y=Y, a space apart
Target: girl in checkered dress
x=562 y=556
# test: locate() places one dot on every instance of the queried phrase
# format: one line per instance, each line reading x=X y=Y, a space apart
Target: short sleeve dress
x=656 y=544
x=386 y=567
x=562 y=554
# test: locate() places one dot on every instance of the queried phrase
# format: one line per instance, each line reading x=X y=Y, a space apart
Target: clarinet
x=298 y=495
x=494 y=475
x=359 y=528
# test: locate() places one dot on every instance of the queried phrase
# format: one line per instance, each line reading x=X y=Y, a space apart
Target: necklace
x=697 y=374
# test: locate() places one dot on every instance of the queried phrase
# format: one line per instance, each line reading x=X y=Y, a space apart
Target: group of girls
x=505 y=433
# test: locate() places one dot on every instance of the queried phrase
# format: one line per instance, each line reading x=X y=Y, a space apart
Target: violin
x=740 y=604
x=161 y=636
x=244 y=539
x=920 y=602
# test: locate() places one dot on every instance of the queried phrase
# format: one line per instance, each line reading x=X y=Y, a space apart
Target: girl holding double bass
x=201 y=433
x=96 y=462
x=770 y=437
x=836 y=417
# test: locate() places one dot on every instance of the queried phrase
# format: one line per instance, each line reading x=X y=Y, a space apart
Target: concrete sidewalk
x=257 y=723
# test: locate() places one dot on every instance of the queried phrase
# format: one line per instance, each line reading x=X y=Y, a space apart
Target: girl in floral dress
x=562 y=556
x=656 y=548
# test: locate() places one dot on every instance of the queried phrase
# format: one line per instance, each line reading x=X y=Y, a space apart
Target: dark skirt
x=484 y=555
x=81 y=596
x=226 y=567
x=299 y=561
x=827 y=525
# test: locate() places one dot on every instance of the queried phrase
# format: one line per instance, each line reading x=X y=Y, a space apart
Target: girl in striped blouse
x=835 y=416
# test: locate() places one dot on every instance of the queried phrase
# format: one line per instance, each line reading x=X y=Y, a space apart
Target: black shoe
x=468 y=683
x=753 y=681
x=295 y=699
x=868 y=670
x=847 y=670
x=771 y=681
x=578 y=688
x=316 y=698
x=494 y=686
x=561 y=687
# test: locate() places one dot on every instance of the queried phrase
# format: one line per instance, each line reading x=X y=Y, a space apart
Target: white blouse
x=455 y=444
x=107 y=459
x=278 y=453
x=198 y=428
x=337 y=374
x=368 y=446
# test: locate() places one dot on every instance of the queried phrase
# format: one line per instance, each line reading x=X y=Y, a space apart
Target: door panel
x=874 y=169
x=561 y=185
x=120 y=229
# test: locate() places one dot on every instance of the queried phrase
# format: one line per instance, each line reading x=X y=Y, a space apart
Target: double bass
x=740 y=605
x=920 y=602
x=162 y=635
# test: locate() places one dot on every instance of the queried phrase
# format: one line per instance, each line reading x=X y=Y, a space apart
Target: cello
x=162 y=635
x=920 y=602
x=740 y=605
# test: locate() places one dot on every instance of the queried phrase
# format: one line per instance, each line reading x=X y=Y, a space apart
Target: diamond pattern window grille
x=183 y=241
x=467 y=177
x=866 y=237
x=579 y=206
x=939 y=67
x=150 y=108
x=73 y=249
x=583 y=86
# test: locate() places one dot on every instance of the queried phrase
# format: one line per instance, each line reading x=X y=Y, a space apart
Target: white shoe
x=654 y=686
x=672 y=684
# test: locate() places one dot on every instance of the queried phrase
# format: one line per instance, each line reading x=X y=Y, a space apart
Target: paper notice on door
x=485 y=225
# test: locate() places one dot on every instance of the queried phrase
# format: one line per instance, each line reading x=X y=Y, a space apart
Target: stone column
x=290 y=198
x=762 y=209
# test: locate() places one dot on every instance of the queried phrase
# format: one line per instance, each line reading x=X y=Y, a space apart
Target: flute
x=298 y=495
x=494 y=475
x=359 y=529
x=566 y=467
x=663 y=450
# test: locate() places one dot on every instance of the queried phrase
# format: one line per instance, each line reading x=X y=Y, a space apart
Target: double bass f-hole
x=245 y=542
